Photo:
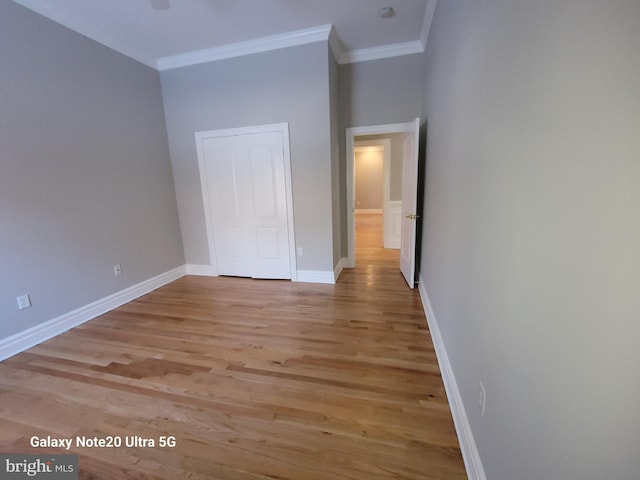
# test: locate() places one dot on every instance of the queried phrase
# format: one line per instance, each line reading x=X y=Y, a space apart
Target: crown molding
x=334 y=44
x=384 y=51
x=427 y=21
x=289 y=39
x=93 y=34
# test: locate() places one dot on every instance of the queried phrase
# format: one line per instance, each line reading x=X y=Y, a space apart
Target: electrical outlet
x=24 y=302
x=300 y=252
x=482 y=398
x=117 y=270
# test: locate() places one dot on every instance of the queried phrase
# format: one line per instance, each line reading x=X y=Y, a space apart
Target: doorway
x=383 y=152
x=405 y=218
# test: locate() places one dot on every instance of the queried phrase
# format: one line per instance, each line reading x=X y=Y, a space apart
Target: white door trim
x=283 y=129
x=351 y=190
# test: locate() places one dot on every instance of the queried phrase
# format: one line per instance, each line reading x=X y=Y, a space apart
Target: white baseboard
x=316 y=276
x=472 y=461
x=201 y=270
x=368 y=210
x=33 y=336
x=338 y=270
x=304 y=276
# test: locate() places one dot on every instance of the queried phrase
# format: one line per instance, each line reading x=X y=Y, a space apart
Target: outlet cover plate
x=24 y=302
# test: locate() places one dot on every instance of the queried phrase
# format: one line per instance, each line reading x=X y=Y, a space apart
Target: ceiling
x=193 y=31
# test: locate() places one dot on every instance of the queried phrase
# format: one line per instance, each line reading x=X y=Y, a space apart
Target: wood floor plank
x=255 y=380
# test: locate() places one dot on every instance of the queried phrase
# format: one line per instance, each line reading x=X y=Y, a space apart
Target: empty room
x=195 y=285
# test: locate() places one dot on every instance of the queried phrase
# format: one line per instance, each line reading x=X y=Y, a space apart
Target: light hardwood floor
x=255 y=379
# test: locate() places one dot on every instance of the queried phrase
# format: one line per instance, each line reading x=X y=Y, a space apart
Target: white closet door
x=247 y=194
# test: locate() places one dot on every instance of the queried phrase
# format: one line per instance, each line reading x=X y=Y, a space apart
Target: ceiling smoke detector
x=387 y=12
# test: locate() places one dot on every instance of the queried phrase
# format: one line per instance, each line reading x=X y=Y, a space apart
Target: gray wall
x=531 y=249
x=396 y=156
x=378 y=92
x=289 y=85
x=85 y=176
x=369 y=179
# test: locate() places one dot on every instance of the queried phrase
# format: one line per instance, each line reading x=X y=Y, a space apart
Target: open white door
x=409 y=204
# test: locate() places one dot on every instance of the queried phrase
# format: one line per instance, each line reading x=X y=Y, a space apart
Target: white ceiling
x=192 y=31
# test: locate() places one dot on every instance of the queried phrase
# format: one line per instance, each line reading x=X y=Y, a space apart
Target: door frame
x=283 y=129
x=353 y=132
